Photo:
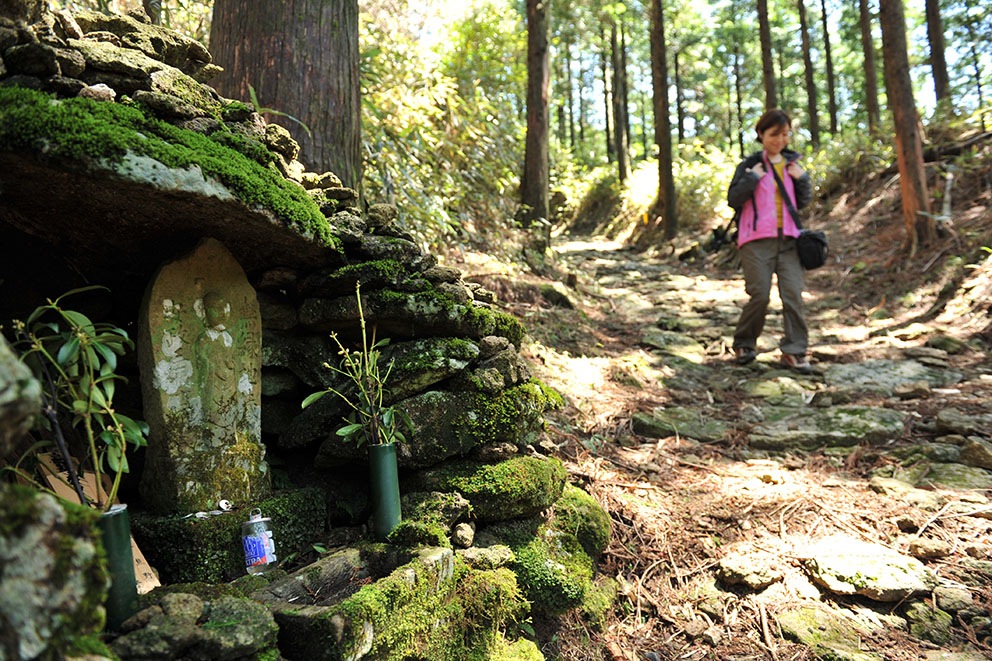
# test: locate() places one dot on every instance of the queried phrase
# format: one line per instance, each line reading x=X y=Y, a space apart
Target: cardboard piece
x=58 y=481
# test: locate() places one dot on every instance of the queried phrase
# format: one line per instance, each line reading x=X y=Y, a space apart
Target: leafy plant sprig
x=272 y=111
x=368 y=421
x=77 y=358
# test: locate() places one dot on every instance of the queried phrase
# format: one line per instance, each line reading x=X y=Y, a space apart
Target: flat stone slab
x=945 y=475
x=885 y=375
x=688 y=423
x=675 y=344
x=848 y=566
x=807 y=429
x=828 y=632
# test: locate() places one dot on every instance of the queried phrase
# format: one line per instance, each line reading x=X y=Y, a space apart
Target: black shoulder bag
x=811 y=244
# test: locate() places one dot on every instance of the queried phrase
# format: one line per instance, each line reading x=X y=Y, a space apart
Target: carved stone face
x=217 y=309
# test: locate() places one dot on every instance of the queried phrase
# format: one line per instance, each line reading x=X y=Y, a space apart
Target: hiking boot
x=744 y=355
x=796 y=362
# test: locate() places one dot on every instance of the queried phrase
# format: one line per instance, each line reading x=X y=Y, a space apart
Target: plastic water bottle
x=256 y=538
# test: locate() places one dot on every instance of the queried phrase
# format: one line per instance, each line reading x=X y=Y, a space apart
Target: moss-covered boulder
x=398 y=314
x=434 y=607
x=580 y=514
x=928 y=623
x=552 y=568
x=20 y=398
x=428 y=518
x=848 y=566
x=184 y=626
x=518 y=487
x=446 y=424
x=53 y=577
x=189 y=549
x=150 y=187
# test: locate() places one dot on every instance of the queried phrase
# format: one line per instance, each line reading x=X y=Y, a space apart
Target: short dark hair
x=771 y=119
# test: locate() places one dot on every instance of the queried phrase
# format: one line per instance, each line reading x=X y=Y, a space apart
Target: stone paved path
x=760 y=513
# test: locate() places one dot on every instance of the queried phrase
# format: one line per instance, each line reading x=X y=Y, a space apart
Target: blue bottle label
x=255 y=550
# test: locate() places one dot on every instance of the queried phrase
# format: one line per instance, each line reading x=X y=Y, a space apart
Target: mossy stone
x=187 y=550
x=579 y=513
x=53 y=576
x=518 y=487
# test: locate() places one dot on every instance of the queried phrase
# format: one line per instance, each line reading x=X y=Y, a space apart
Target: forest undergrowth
x=678 y=506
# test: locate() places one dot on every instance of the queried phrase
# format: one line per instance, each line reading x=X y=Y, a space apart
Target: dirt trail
x=648 y=336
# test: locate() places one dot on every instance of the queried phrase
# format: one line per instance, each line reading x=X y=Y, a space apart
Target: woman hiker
x=766 y=237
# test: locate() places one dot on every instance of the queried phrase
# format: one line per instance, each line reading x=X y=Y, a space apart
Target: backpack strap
x=785 y=196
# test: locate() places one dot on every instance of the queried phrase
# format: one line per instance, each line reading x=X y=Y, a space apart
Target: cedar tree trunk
x=301 y=57
x=534 y=188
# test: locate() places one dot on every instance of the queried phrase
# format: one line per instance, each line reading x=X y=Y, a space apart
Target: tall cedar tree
x=604 y=68
x=870 y=68
x=767 y=63
x=831 y=87
x=534 y=187
x=920 y=226
x=662 y=121
x=814 y=120
x=619 y=111
x=301 y=57
x=938 y=62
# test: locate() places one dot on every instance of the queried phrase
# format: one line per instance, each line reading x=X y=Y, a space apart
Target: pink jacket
x=755 y=197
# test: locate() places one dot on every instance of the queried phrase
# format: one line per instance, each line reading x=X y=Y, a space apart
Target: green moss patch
x=578 y=513
x=83 y=129
x=521 y=486
x=186 y=550
x=433 y=608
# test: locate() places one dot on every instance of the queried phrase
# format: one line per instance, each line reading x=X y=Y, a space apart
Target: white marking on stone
x=171 y=344
x=244 y=384
x=171 y=375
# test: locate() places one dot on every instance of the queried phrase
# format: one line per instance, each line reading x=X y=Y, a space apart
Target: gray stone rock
x=463 y=534
x=332 y=577
x=71 y=63
x=786 y=428
x=830 y=633
x=977 y=452
x=166 y=105
x=949 y=476
x=755 y=573
x=699 y=425
x=848 y=566
x=927 y=500
x=952 y=421
x=303 y=355
x=927 y=548
x=278 y=312
x=32 y=59
x=487 y=557
x=154 y=41
x=883 y=376
x=675 y=344
x=277 y=381
x=52 y=580
x=952 y=598
x=20 y=398
x=230 y=628
x=929 y=624
x=280 y=141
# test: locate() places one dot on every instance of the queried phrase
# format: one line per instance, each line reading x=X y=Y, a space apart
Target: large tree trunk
x=871 y=77
x=534 y=188
x=625 y=82
x=976 y=65
x=831 y=89
x=582 y=105
x=604 y=69
x=920 y=226
x=935 y=35
x=679 y=99
x=301 y=57
x=644 y=125
x=619 y=111
x=767 y=63
x=569 y=93
x=740 y=98
x=662 y=121
x=814 y=120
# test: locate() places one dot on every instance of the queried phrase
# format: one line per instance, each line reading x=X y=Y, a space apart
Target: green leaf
x=313 y=397
x=114 y=457
x=349 y=430
x=109 y=387
x=68 y=352
x=77 y=319
x=108 y=355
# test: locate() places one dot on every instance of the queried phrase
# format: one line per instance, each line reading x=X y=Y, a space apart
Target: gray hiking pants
x=759 y=260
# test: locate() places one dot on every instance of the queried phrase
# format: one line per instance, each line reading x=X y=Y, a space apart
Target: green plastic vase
x=122 y=598
x=385 y=487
